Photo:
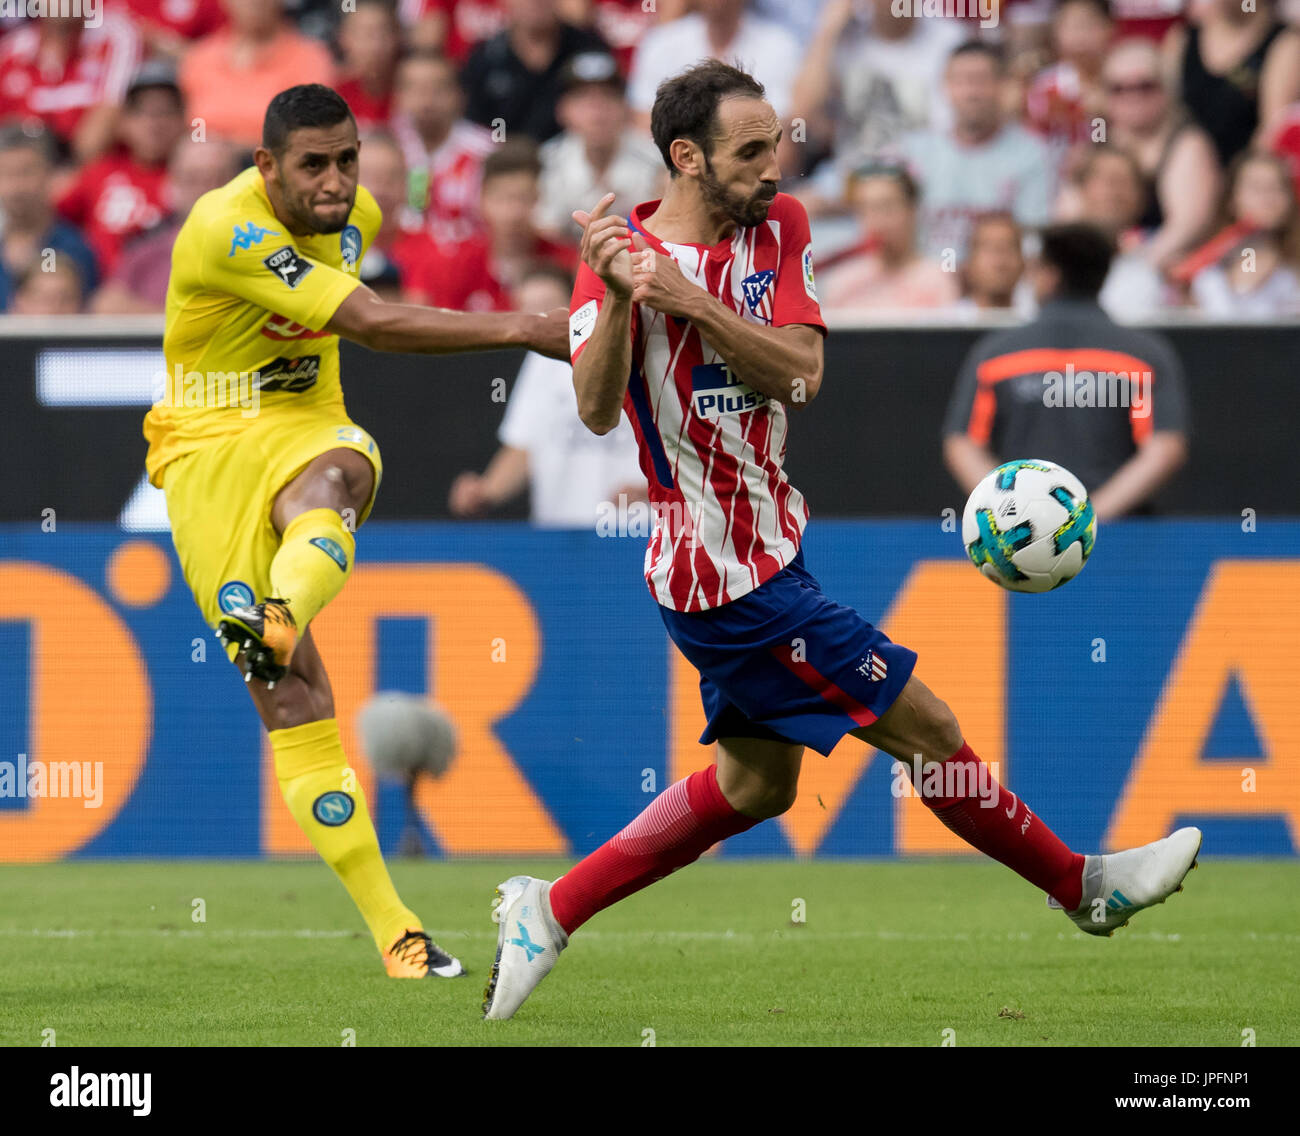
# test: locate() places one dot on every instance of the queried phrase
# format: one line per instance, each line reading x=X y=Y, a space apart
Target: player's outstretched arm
x=601 y=372
x=408 y=328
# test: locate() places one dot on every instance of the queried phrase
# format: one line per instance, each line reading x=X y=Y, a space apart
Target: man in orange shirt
x=229 y=77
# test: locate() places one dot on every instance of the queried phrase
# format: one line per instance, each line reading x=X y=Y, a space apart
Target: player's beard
x=743 y=211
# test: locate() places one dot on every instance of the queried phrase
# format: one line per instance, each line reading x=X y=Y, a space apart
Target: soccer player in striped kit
x=699 y=316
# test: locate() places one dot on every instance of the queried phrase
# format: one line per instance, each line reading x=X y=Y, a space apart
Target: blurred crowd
x=928 y=148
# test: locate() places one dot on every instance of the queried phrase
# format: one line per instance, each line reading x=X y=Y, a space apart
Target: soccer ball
x=1029 y=526
x=405 y=735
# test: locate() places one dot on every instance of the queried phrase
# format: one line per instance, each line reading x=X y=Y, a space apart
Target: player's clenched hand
x=658 y=283
x=605 y=246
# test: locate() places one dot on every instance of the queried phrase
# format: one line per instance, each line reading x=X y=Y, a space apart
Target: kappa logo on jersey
x=873 y=668
x=291 y=375
x=756 y=287
x=249 y=236
x=288 y=265
x=715 y=391
x=350 y=247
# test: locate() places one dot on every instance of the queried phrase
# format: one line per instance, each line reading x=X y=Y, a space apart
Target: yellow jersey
x=246 y=306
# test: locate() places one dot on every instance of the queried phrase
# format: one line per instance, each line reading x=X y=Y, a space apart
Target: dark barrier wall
x=868 y=446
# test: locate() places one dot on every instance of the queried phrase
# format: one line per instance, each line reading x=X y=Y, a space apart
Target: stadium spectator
x=478 y=274
x=169 y=26
x=992 y=276
x=1176 y=156
x=983 y=163
x=622 y=23
x=1073 y=387
x=1065 y=98
x=139 y=283
x=1237 y=68
x=1284 y=141
x=513 y=79
x=120 y=195
x=717 y=29
x=369 y=39
x=868 y=77
x=70 y=77
x=1111 y=195
x=1258 y=276
x=451 y=27
x=230 y=76
x=443 y=151
x=885 y=270
x=1147 y=19
x=572 y=474
x=32 y=235
x=798 y=17
x=398 y=248
x=597 y=153
x=53 y=291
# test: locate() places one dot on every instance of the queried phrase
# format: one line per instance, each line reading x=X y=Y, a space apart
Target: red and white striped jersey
x=726 y=519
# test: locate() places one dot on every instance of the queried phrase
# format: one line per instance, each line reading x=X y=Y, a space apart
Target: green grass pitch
x=889 y=953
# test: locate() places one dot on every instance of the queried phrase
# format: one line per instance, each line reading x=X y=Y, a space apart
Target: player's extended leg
x=754 y=779
x=314 y=515
x=318 y=786
x=1101 y=893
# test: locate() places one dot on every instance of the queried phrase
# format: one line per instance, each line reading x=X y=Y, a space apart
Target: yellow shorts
x=219 y=499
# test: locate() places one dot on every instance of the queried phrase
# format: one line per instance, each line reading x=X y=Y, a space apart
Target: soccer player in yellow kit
x=265 y=475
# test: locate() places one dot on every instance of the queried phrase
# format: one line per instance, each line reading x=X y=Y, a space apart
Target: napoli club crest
x=350 y=247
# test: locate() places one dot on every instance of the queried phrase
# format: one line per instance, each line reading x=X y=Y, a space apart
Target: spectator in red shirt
x=451 y=27
x=70 y=77
x=168 y=26
x=139 y=283
x=1065 y=98
x=398 y=250
x=369 y=40
x=121 y=194
x=444 y=153
x=478 y=274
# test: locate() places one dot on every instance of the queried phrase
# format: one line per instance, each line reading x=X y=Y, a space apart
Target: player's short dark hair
x=980 y=47
x=517 y=156
x=1081 y=253
x=308 y=104
x=686 y=106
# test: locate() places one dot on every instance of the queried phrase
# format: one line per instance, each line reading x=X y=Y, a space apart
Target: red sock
x=999 y=824
x=683 y=822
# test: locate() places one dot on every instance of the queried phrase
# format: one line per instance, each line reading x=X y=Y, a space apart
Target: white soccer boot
x=1116 y=887
x=529 y=940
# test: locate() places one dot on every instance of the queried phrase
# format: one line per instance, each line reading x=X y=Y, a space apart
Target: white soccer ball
x=1029 y=525
x=405 y=734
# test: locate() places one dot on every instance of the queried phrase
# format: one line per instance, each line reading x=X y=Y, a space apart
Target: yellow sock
x=327 y=802
x=313 y=562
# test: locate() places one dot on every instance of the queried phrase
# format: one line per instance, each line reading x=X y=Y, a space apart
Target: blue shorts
x=786 y=663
